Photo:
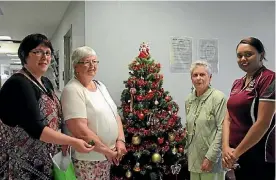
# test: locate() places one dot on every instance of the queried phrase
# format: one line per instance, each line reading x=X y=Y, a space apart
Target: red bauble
x=167 y=98
x=160 y=140
x=141 y=116
x=158 y=65
x=154 y=85
x=127 y=109
x=139 y=98
x=146 y=111
x=135 y=68
x=180 y=149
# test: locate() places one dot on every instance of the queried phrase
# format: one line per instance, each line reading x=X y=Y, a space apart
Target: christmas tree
x=155 y=137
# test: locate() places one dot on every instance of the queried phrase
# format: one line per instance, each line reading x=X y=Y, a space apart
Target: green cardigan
x=204 y=117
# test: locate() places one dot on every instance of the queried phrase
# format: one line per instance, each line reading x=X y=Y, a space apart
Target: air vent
x=1 y=12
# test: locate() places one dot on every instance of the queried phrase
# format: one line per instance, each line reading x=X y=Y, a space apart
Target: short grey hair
x=201 y=63
x=82 y=52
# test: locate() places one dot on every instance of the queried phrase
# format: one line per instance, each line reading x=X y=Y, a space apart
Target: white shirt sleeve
x=73 y=103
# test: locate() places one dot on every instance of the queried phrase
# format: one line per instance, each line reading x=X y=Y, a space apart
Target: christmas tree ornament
x=128 y=174
x=171 y=137
x=180 y=149
x=139 y=98
x=174 y=150
x=156 y=122
x=137 y=168
x=167 y=98
x=144 y=50
x=156 y=158
x=160 y=140
x=132 y=90
x=156 y=102
x=176 y=169
x=136 y=140
x=141 y=116
x=131 y=103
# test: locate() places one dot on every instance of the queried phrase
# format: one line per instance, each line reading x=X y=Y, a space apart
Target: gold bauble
x=137 y=167
x=171 y=137
x=136 y=140
x=128 y=174
x=156 y=158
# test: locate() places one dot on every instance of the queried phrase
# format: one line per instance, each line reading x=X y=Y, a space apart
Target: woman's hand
x=112 y=157
x=81 y=146
x=121 y=149
x=64 y=149
x=206 y=165
x=228 y=158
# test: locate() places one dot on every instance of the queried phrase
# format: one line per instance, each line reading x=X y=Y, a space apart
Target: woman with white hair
x=205 y=109
x=91 y=114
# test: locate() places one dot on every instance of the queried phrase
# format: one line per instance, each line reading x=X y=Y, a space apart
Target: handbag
x=230 y=175
x=63 y=168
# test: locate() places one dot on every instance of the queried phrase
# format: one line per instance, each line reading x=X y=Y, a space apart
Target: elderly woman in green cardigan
x=205 y=110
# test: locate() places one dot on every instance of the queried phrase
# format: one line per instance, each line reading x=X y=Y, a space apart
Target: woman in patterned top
x=30 y=116
x=205 y=110
x=249 y=125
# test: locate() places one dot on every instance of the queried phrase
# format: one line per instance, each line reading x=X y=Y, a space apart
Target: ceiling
x=22 y=18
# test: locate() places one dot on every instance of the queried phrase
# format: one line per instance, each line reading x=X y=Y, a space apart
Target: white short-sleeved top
x=97 y=107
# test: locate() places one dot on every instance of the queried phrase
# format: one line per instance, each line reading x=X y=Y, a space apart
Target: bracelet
x=122 y=140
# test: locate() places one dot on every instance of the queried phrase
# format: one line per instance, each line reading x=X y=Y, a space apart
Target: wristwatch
x=120 y=139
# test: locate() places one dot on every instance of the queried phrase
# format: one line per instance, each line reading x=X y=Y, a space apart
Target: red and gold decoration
x=155 y=138
x=137 y=167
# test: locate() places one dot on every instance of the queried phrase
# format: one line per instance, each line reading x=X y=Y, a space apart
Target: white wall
x=74 y=16
x=116 y=29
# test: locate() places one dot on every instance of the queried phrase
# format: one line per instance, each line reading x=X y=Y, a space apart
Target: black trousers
x=253 y=166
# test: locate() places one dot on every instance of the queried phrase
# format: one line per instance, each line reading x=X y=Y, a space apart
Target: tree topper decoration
x=144 y=50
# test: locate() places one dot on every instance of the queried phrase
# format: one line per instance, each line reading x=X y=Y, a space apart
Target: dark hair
x=256 y=43
x=30 y=42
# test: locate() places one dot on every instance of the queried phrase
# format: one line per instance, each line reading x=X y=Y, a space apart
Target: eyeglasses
x=88 y=63
x=40 y=53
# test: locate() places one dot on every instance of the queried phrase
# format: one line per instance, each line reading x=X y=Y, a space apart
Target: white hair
x=201 y=63
x=82 y=52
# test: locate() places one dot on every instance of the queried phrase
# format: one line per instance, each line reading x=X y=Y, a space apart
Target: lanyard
x=35 y=80
x=198 y=110
x=98 y=86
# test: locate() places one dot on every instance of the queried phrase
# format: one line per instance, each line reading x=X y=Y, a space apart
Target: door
x=68 y=70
